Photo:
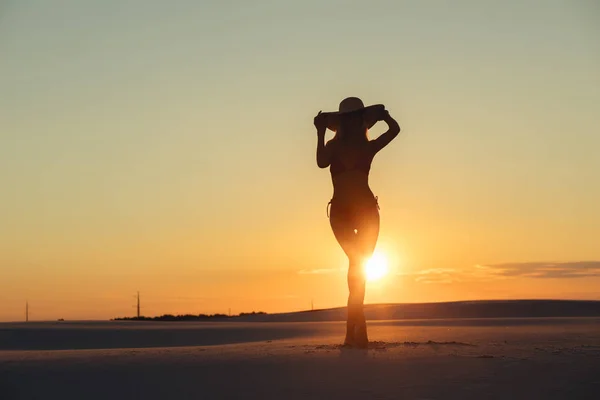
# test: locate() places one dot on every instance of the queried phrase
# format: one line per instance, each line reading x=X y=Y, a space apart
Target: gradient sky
x=168 y=147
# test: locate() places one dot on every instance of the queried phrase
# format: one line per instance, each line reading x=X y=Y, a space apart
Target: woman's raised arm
x=387 y=137
x=323 y=152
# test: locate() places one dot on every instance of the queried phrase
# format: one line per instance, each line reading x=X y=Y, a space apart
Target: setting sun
x=376 y=267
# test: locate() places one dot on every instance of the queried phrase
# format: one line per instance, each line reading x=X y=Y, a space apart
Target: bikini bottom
x=351 y=212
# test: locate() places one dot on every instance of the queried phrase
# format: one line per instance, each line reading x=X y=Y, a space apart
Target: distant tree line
x=188 y=317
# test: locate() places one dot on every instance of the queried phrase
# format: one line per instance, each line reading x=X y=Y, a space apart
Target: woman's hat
x=353 y=105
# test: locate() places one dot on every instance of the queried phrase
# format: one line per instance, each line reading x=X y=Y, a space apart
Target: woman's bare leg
x=356 y=296
x=358 y=245
x=343 y=230
x=367 y=234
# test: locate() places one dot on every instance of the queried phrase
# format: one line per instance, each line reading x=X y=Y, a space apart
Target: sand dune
x=509 y=358
x=445 y=310
x=137 y=334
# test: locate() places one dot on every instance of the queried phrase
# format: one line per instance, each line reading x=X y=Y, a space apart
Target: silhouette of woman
x=354 y=216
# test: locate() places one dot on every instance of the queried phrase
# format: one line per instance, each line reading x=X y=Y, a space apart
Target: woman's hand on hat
x=383 y=114
x=320 y=122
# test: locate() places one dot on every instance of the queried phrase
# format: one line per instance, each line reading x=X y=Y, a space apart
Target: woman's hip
x=353 y=208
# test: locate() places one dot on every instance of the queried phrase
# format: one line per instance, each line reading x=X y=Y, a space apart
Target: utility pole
x=312 y=305
x=26 y=311
x=138 y=305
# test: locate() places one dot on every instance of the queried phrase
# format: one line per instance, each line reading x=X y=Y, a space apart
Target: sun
x=376 y=267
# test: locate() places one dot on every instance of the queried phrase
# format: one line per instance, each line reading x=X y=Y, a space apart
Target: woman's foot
x=349 y=341
x=361 y=340
x=357 y=337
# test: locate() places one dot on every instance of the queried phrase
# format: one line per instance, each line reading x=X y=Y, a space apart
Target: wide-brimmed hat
x=353 y=105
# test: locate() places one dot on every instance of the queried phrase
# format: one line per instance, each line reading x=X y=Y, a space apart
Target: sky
x=168 y=148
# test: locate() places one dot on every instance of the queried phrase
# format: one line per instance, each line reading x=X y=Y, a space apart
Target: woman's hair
x=351 y=127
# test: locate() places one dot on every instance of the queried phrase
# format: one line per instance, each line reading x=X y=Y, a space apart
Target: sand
x=542 y=358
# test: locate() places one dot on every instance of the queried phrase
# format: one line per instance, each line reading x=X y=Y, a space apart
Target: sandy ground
x=468 y=359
